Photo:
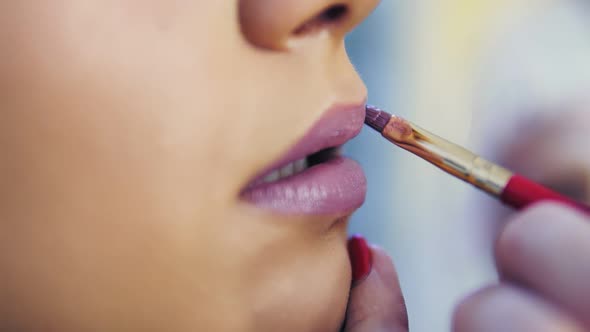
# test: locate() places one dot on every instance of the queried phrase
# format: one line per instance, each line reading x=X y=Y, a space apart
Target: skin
x=544 y=284
x=119 y=198
x=377 y=303
x=129 y=129
x=541 y=254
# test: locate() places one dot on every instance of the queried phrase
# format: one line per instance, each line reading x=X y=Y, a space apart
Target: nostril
x=329 y=16
x=334 y=13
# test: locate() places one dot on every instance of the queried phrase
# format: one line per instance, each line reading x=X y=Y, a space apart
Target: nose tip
x=272 y=24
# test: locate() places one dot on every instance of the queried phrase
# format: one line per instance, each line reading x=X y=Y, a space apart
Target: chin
x=307 y=293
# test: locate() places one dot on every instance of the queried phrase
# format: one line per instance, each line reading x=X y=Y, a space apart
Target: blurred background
x=457 y=68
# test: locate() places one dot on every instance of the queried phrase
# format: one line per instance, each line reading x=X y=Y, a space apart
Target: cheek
x=110 y=109
x=122 y=86
x=108 y=115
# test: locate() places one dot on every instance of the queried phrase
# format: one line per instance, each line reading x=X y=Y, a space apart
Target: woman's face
x=133 y=134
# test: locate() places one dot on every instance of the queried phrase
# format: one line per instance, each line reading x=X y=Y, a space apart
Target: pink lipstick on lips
x=313 y=178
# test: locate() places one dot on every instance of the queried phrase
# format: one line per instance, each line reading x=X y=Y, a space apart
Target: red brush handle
x=522 y=192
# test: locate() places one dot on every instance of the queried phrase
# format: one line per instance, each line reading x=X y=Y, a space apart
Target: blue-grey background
x=454 y=67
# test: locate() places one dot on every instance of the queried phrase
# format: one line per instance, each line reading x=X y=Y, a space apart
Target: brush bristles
x=376 y=118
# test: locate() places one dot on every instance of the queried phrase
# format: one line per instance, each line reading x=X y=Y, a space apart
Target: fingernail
x=361 y=258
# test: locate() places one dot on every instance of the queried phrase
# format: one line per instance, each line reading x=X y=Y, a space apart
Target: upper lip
x=338 y=125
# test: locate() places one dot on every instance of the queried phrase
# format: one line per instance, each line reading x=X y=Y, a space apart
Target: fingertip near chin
x=385 y=268
x=377 y=303
x=383 y=264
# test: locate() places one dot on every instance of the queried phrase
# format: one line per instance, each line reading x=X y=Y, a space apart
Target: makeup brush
x=512 y=189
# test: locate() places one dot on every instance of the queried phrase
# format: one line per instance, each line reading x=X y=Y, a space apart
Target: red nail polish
x=361 y=258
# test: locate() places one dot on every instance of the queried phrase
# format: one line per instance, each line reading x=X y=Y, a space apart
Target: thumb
x=376 y=301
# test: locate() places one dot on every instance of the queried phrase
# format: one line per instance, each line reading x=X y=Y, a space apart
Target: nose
x=276 y=24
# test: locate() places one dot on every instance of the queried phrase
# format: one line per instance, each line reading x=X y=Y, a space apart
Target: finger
x=509 y=309
x=376 y=303
x=551 y=140
x=548 y=249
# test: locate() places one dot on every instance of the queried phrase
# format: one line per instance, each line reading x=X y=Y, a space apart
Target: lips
x=312 y=178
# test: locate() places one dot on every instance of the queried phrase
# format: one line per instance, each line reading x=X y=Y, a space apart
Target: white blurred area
x=459 y=68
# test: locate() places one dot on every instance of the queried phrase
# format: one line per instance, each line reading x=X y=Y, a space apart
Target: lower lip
x=335 y=187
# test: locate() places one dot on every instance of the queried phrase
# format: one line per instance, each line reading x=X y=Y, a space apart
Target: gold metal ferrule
x=447 y=156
